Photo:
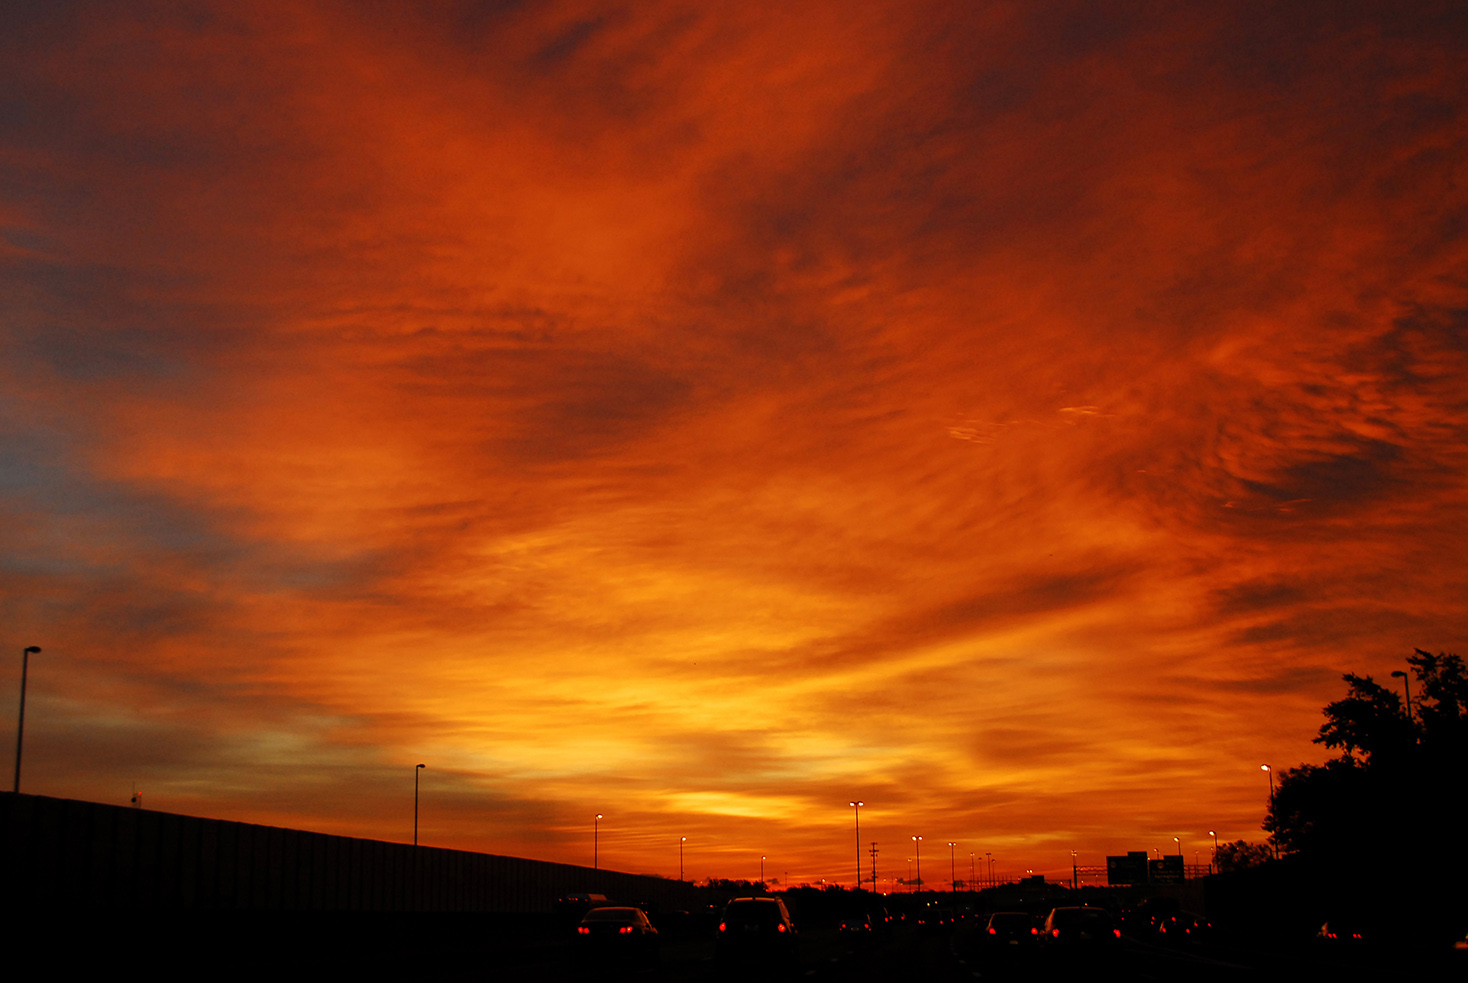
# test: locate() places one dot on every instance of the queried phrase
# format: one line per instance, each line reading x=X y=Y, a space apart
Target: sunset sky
x=1013 y=415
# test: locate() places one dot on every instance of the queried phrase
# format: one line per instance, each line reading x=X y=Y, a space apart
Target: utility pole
x=873 y=852
x=1407 y=685
x=25 y=665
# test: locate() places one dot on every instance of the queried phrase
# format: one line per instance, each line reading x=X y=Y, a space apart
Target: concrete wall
x=69 y=854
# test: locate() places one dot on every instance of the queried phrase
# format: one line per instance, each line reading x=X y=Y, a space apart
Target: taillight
x=1033 y=930
x=1116 y=932
x=781 y=927
x=721 y=926
x=1055 y=932
x=995 y=932
x=583 y=930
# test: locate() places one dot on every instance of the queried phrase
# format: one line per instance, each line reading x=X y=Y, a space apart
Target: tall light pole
x=681 y=841
x=990 y=858
x=415 y=802
x=761 y=870
x=873 y=852
x=857 y=806
x=25 y=665
x=1074 y=873
x=971 y=871
x=1406 y=685
x=596 y=842
x=1178 y=840
x=952 y=872
x=917 y=843
x=1213 y=864
x=1274 y=834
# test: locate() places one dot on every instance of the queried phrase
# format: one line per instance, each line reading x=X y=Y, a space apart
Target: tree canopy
x=1401 y=768
x=1240 y=854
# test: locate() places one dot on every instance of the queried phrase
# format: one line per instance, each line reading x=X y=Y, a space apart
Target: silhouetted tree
x=1239 y=855
x=1398 y=780
x=737 y=886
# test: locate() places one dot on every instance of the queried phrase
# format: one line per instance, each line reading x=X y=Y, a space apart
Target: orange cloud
x=1015 y=418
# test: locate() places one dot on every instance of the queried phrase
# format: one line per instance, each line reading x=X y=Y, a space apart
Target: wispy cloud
x=1012 y=415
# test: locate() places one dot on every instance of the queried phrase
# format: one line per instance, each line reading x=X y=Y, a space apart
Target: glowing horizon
x=1014 y=416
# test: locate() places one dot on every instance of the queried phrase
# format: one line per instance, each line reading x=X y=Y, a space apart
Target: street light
x=1274 y=834
x=681 y=841
x=917 y=842
x=971 y=881
x=25 y=665
x=989 y=858
x=952 y=873
x=762 y=870
x=1179 y=843
x=857 y=806
x=1407 y=685
x=1212 y=866
x=415 y=802
x=595 y=841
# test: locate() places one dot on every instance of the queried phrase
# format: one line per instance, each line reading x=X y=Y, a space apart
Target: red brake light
x=780 y=927
x=1116 y=932
x=1033 y=930
x=721 y=926
x=1055 y=932
x=994 y=932
x=583 y=930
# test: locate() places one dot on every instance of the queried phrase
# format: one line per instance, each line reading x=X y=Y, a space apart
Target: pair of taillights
x=1033 y=931
x=724 y=927
x=624 y=930
x=1055 y=933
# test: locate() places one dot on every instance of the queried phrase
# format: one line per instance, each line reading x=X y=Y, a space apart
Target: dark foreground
x=488 y=947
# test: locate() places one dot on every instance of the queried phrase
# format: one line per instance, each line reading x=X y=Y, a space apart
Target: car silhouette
x=1016 y=928
x=613 y=933
x=758 y=930
x=1072 y=927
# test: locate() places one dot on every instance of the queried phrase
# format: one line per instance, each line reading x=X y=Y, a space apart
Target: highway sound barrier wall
x=63 y=853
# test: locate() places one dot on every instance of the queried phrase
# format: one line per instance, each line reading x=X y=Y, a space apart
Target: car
x=1144 y=920
x=933 y=918
x=759 y=930
x=862 y=926
x=1076 y=927
x=615 y=933
x=1016 y=928
x=1342 y=931
x=1184 y=928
